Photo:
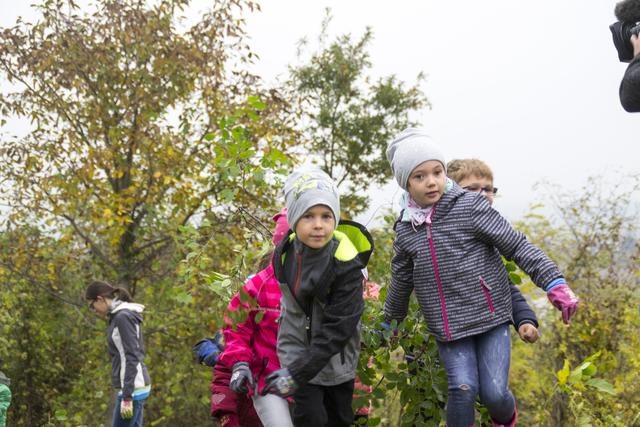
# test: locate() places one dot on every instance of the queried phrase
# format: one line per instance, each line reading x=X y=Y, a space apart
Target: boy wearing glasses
x=474 y=175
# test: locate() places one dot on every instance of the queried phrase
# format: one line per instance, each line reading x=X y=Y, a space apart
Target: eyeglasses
x=91 y=304
x=478 y=189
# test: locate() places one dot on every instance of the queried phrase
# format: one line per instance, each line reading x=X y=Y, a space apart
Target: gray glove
x=240 y=377
x=280 y=383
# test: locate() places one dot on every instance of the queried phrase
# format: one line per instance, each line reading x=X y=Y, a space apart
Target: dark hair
x=98 y=288
x=265 y=260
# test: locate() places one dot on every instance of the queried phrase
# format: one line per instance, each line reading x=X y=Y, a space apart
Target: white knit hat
x=410 y=148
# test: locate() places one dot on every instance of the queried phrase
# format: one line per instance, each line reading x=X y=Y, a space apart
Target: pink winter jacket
x=254 y=339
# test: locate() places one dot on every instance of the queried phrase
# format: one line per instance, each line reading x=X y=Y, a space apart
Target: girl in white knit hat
x=448 y=249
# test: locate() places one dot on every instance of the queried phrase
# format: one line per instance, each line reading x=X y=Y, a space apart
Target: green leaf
x=183 y=297
x=244 y=297
x=510 y=266
x=259 y=317
x=227 y=195
x=588 y=369
x=374 y=421
x=601 y=385
x=594 y=356
x=256 y=103
x=515 y=278
x=60 y=414
x=585 y=421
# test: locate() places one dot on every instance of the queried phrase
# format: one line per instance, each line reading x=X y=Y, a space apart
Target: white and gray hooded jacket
x=124 y=336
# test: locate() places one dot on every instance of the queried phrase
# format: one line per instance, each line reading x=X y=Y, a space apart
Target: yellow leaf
x=563 y=374
x=107 y=213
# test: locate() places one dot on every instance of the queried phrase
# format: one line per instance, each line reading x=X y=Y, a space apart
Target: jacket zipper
x=295 y=289
x=307 y=323
x=486 y=288
x=435 y=268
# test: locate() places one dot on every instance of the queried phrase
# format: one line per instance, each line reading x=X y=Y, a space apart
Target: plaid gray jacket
x=454 y=266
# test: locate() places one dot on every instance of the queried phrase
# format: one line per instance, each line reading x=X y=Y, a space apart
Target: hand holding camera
x=635 y=41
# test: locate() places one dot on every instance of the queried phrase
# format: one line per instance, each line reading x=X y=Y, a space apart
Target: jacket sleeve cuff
x=555 y=282
x=296 y=369
x=525 y=321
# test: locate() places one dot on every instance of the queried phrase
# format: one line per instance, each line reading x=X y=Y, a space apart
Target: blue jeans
x=135 y=421
x=478 y=364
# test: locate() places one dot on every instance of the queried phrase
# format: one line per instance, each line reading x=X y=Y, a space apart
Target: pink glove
x=563 y=298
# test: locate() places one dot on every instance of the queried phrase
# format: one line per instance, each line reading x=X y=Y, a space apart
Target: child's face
x=426 y=183
x=476 y=184
x=315 y=227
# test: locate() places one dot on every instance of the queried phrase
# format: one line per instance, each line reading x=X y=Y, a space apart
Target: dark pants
x=478 y=365
x=323 y=406
x=135 y=421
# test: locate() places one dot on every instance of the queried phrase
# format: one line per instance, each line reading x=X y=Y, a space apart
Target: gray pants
x=272 y=410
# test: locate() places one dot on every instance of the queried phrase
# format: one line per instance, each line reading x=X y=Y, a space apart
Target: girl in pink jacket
x=250 y=345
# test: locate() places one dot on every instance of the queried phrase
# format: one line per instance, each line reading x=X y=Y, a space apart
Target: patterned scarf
x=412 y=212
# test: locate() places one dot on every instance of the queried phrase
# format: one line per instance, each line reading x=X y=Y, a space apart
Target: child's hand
x=528 y=333
x=206 y=351
x=280 y=383
x=241 y=377
x=126 y=409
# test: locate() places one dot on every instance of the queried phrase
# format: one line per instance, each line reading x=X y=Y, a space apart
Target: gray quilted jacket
x=454 y=266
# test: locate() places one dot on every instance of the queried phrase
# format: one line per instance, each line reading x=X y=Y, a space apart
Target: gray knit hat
x=410 y=148
x=307 y=187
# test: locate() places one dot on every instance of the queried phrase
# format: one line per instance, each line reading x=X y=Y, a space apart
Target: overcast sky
x=529 y=87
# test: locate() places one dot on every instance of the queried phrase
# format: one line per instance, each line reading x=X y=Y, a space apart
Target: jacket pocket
x=486 y=288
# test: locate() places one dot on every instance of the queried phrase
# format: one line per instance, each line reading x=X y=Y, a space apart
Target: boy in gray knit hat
x=319 y=269
x=448 y=249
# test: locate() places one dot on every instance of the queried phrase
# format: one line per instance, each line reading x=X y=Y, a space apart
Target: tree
x=596 y=246
x=136 y=126
x=141 y=132
x=347 y=118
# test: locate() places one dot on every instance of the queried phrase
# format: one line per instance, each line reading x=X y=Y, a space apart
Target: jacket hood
x=354 y=241
x=449 y=199
x=133 y=307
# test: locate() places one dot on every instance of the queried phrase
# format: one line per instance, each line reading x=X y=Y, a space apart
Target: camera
x=622 y=32
x=628 y=14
